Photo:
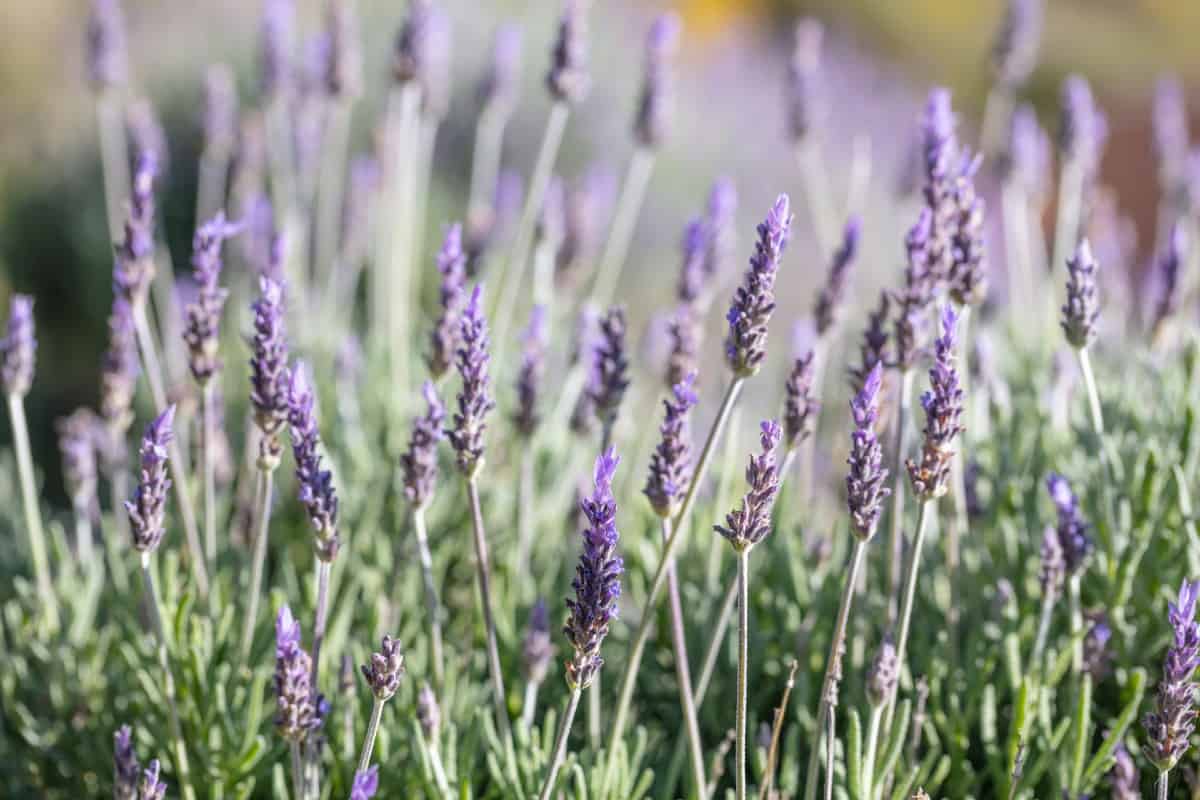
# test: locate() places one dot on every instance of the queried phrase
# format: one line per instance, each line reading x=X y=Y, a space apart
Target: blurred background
x=880 y=58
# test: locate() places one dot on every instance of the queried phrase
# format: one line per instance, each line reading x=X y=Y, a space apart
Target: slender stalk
x=1160 y=786
x=114 y=159
x=514 y=268
x=896 y=539
x=211 y=183
x=1089 y=381
x=1039 y=643
x=433 y=609
x=422 y=172
x=529 y=705
x=743 y=580
x=595 y=714
x=152 y=604
x=330 y=191
x=364 y=758
x=33 y=513
x=683 y=676
x=403 y=166
x=1076 y=624
x=560 y=745
x=830 y=745
x=297 y=772
x=118 y=491
x=1022 y=286
x=833 y=663
x=640 y=638
x=483 y=572
x=525 y=504
x=997 y=113
x=776 y=732
x=868 y=762
x=910 y=591
x=208 y=465
x=263 y=492
x=485 y=159
x=629 y=207
x=439 y=771
x=322 y=617
x=815 y=182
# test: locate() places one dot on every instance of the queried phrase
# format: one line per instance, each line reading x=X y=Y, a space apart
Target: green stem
x=404 y=149
x=1076 y=624
x=776 y=731
x=1039 y=643
x=263 y=492
x=1160 y=787
x=484 y=575
x=529 y=705
x=364 y=758
x=485 y=160
x=33 y=513
x=560 y=745
x=1089 y=381
x=743 y=581
x=817 y=194
x=322 y=618
x=114 y=159
x=868 y=762
x=629 y=207
x=687 y=702
x=331 y=190
x=830 y=741
x=432 y=606
x=297 y=771
x=208 y=466
x=899 y=489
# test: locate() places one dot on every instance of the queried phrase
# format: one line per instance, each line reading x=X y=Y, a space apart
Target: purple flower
x=1096 y=654
x=1082 y=308
x=18 y=349
x=597 y=580
x=610 y=368
x=749 y=524
x=151 y=788
x=800 y=406
x=133 y=268
x=474 y=400
x=146 y=132
x=671 y=461
x=1072 y=529
x=873 y=349
x=344 y=65
x=943 y=404
x=804 y=79
x=1170 y=260
x=220 y=110
x=147 y=508
x=967 y=279
x=107 y=58
x=486 y=224
x=719 y=221
x=1053 y=566
x=366 y=783
x=419 y=463
x=884 y=674
x=1171 y=135
x=693 y=275
x=429 y=713
x=1169 y=727
x=276 y=34
x=829 y=301
x=1015 y=49
x=588 y=208
x=865 y=490
x=568 y=80
x=126 y=769
x=203 y=315
x=683 y=331
x=451 y=264
x=384 y=670
x=77 y=438
x=754 y=300
x=1123 y=778
x=941 y=159
x=1084 y=126
x=268 y=371
x=528 y=415
x=658 y=91
x=501 y=81
x=119 y=368
x=297 y=705
x=317 y=494
x=913 y=300
x=537 y=650
x=414 y=43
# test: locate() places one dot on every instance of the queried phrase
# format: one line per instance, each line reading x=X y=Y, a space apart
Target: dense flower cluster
x=968 y=280
x=203 y=316
x=474 y=400
x=317 y=494
x=671 y=461
x=943 y=404
x=832 y=294
x=754 y=300
x=268 y=371
x=534 y=344
x=610 y=369
x=147 y=508
x=1169 y=727
x=126 y=769
x=1082 y=309
x=912 y=302
x=865 y=489
x=749 y=524
x=800 y=406
x=419 y=463
x=384 y=670
x=451 y=264
x=298 y=707
x=1074 y=541
x=941 y=160
x=134 y=265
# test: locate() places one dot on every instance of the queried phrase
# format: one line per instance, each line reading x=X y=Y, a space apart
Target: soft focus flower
x=800 y=405
x=202 y=325
x=803 y=79
x=268 y=371
x=1053 y=568
x=873 y=348
x=451 y=264
x=968 y=280
x=429 y=713
x=568 y=80
x=147 y=508
x=865 y=490
x=719 y=224
x=419 y=463
x=501 y=81
x=943 y=404
x=1082 y=308
x=133 y=268
x=1096 y=653
x=1015 y=49
x=1169 y=727
x=912 y=302
x=1072 y=529
x=151 y=788
x=749 y=524
x=941 y=159
x=220 y=110
x=366 y=783
x=1123 y=778
x=534 y=344
x=656 y=103
x=537 y=650
x=107 y=59
x=317 y=494
x=77 y=435
x=830 y=299
x=1028 y=157
x=1169 y=262
x=119 y=368
x=683 y=331
x=754 y=300
x=610 y=369
x=344 y=64
x=18 y=349
x=671 y=461
x=126 y=769
x=474 y=400
x=1084 y=129
x=884 y=674
x=276 y=56
x=693 y=276
x=297 y=706
x=384 y=670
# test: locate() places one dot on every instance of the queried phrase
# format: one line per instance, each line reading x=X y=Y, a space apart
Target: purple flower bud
x=203 y=316
x=384 y=670
x=537 y=650
x=18 y=349
x=220 y=109
x=943 y=404
x=297 y=705
x=1072 y=530
x=865 y=490
x=419 y=463
x=749 y=524
x=134 y=266
x=151 y=788
x=800 y=406
x=268 y=371
x=119 y=368
x=366 y=783
x=1097 y=657
x=804 y=79
x=1014 y=52
x=830 y=300
x=146 y=131
x=568 y=80
x=147 y=508
x=474 y=400
x=451 y=263
x=429 y=713
x=77 y=439
x=410 y=61
x=107 y=58
x=684 y=332
x=656 y=103
x=1170 y=260
x=873 y=349
x=276 y=34
x=597 y=580
x=671 y=461
x=316 y=485
x=693 y=277
x=913 y=300
x=1084 y=126
x=1123 y=778
x=884 y=674
x=344 y=67
x=1169 y=727
x=610 y=370
x=501 y=81
x=126 y=769
x=534 y=343
x=754 y=300
x=941 y=159
x=1082 y=308
x=487 y=225
x=1053 y=566
x=968 y=281
x=719 y=221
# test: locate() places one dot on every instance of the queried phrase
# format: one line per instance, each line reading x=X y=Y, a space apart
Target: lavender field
x=805 y=434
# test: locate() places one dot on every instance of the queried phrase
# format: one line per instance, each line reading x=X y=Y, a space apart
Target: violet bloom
x=220 y=109
x=146 y=133
x=754 y=301
x=475 y=399
x=597 y=580
x=18 y=349
x=873 y=348
x=147 y=508
x=830 y=300
x=1169 y=262
x=884 y=674
x=344 y=65
x=941 y=159
x=671 y=461
x=803 y=79
x=451 y=264
x=126 y=769
x=750 y=523
x=268 y=371
x=683 y=331
x=298 y=707
x=151 y=788
x=501 y=81
x=656 y=103
x=865 y=489
x=202 y=326
x=1028 y=158
x=419 y=463
x=1072 y=529
x=568 y=80
x=133 y=268
x=800 y=405
x=429 y=713
x=1123 y=778
x=943 y=404
x=692 y=275
x=719 y=223
x=528 y=415
x=588 y=208
x=414 y=43
x=366 y=783
x=385 y=669
x=1171 y=135
x=537 y=650
x=107 y=57
x=1084 y=127
x=1082 y=309
x=912 y=302
x=77 y=438
x=1169 y=727
x=610 y=372
x=1015 y=49
x=486 y=224
x=1097 y=657
x=968 y=280
x=317 y=494
x=119 y=368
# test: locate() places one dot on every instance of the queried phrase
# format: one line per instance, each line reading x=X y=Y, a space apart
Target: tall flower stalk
x=119 y=369
x=1169 y=727
x=1075 y=546
x=805 y=112
x=382 y=674
x=299 y=709
x=527 y=419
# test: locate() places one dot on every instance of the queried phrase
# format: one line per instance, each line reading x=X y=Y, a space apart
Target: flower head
x=749 y=524
x=147 y=508
x=419 y=463
x=528 y=415
x=18 y=349
x=317 y=494
x=119 y=368
x=671 y=461
x=865 y=489
x=1014 y=51
x=1028 y=158
x=1053 y=568
x=719 y=225
x=884 y=674
x=968 y=280
x=943 y=404
x=597 y=582
x=804 y=79
x=1169 y=261
x=429 y=713
x=683 y=330
x=610 y=367
x=800 y=405
x=658 y=90
x=1169 y=727
x=344 y=62
x=587 y=209
x=203 y=316
x=107 y=58
x=754 y=300
x=1123 y=778
x=151 y=788
x=537 y=649
x=941 y=159
x=474 y=400
x=77 y=438
x=414 y=43
x=451 y=263
x=298 y=708
x=126 y=769
x=1072 y=530
x=1082 y=308
x=568 y=80
x=366 y=783
x=276 y=34
x=385 y=669
x=133 y=268
x=693 y=276
x=829 y=301
x=912 y=302
x=268 y=370
x=500 y=83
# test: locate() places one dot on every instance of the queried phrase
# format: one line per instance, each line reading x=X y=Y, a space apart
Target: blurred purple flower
x=534 y=344
x=147 y=508
x=568 y=80
x=610 y=370
x=501 y=81
x=107 y=56
x=317 y=494
x=943 y=404
x=474 y=400
x=656 y=103
x=804 y=79
x=754 y=300
x=298 y=708
x=1082 y=308
x=1072 y=529
x=831 y=297
x=419 y=463
x=203 y=315
x=1169 y=727
x=451 y=264
x=800 y=406
x=1015 y=49
x=873 y=348
x=366 y=783
x=18 y=349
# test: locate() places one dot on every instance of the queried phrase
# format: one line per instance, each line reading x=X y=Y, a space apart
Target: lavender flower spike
x=344 y=59
x=126 y=769
x=366 y=784
x=671 y=461
x=829 y=301
x=134 y=266
x=18 y=349
x=1072 y=530
x=597 y=580
x=943 y=404
x=499 y=86
x=414 y=42
x=873 y=349
x=655 y=104
x=1014 y=53
x=683 y=330
x=537 y=650
x=941 y=158
x=147 y=508
x=800 y=406
x=692 y=275
x=474 y=400
x=568 y=80
x=528 y=416
x=1053 y=567
x=151 y=788
x=107 y=58
x=297 y=706
x=865 y=490
x=803 y=84
x=220 y=110
x=385 y=669
x=452 y=264
x=1123 y=778
x=719 y=222
x=610 y=374
x=429 y=713
x=268 y=371
x=119 y=368
x=1084 y=126
x=77 y=444
x=316 y=485
x=914 y=299
x=203 y=316
x=1169 y=727
x=968 y=280
x=1082 y=308
x=1170 y=260
x=883 y=675
x=754 y=300
x=419 y=463
x=748 y=525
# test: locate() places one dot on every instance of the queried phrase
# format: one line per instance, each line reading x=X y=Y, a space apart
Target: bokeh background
x=881 y=57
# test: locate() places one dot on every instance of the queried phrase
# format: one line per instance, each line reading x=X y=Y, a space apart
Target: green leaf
x=1102 y=759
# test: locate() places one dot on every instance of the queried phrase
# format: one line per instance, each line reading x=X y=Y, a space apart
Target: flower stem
x=263 y=491
x=560 y=744
x=432 y=607
x=526 y=505
x=485 y=160
x=1039 y=643
x=33 y=513
x=629 y=206
x=833 y=663
x=330 y=191
x=322 y=618
x=483 y=572
x=776 y=731
x=1089 y=381
x=208 y=467
x=899 y=487
x=1160 y=786
x=114 y=159
x=152 y=604
x=743 y=580
x=364 y=758
x=297 y=772
x=529 y=706
x=830 y=741
x=683 y=675
x=1076 y=624
x=868 y=762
